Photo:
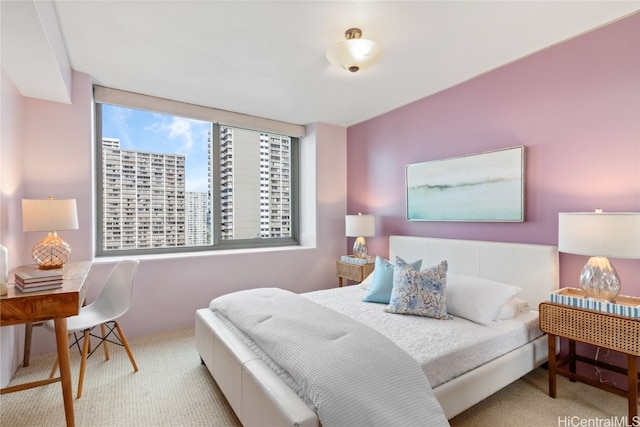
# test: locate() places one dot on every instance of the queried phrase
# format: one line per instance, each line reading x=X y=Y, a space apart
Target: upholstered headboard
x=534 y=268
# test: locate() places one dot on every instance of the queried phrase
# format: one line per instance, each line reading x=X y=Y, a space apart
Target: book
x=36 y=275
x=38 y=288
x=354 y=260
x=36 y=284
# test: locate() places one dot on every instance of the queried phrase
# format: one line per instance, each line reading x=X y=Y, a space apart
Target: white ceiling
x=266 y=58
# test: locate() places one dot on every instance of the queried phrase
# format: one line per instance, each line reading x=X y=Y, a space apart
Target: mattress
x=312 y=342
x=444 y=349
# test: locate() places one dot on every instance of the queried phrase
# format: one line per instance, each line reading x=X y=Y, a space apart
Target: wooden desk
x=617 y=333
x=57 y=304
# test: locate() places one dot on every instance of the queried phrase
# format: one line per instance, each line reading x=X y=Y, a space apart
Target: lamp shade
x=360 y=225
x=49 y=215
x=355 y=53
x=606 y=234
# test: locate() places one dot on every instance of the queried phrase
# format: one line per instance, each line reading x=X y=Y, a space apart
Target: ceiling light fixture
x=355 y=53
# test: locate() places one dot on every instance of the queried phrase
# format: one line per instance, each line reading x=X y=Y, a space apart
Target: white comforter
x=444 y=349
x=351 y=374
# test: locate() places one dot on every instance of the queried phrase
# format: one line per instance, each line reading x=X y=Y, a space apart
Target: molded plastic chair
x=114 y=301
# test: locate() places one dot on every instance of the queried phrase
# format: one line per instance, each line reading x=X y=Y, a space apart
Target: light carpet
x=172 y=388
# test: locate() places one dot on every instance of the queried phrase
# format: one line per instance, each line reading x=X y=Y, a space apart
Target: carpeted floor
x=172 y=388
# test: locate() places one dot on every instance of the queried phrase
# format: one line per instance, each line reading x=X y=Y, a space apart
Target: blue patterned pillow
x=382 y=283
x=421 y=293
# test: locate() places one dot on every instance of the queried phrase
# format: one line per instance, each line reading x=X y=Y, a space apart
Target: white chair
x=113 y=302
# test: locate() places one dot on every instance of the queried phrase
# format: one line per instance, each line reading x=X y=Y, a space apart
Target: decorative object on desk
x=600 y=235
x=28 y=274
x=480 y=187
x=50 y=215
x=38 y=287
x=33 y=280
x=4 y=270
x=360 y=226
x=355 y=53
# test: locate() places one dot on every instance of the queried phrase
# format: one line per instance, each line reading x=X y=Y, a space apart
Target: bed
x=260 y=396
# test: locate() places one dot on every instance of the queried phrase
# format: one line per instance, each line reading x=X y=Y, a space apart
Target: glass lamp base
x=51 y=252
x=599 y=279
x=360 y=248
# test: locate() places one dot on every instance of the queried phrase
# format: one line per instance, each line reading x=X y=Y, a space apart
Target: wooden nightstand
x=351 y=271
x=617 y=333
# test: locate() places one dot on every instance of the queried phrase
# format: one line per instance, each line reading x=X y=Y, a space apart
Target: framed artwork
x=480 y=187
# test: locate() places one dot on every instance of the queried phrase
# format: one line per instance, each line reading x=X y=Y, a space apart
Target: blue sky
x=161 y=133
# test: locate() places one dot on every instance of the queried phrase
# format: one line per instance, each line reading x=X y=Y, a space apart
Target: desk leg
x=28 y=329
x=552 y=364
x=632 y=384
x=62 y=341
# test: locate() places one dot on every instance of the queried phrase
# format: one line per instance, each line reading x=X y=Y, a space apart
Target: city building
x=143 y=198
x=196 y=219
x=146 y=205
x=255 y=184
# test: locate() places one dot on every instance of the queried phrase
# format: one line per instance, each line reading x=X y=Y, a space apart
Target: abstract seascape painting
x=486 y=186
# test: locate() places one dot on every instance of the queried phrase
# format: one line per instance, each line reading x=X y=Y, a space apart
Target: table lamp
x=360 y=226
x=50 y=215
x=600 y=235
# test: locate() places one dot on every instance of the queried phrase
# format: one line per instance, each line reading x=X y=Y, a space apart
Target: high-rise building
x=145 y=204
x=254 y=184
x=143 y=198
x=275 y=198
x=196 y=227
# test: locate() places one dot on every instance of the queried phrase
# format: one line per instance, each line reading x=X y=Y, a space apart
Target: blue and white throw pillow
x=421 y=293
x=382 y=281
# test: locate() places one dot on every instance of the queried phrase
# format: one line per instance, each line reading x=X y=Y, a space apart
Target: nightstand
x=617 y=333
x=351 y=271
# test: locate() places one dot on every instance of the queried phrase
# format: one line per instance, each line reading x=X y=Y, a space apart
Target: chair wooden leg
x=83 y=363
x=55 y=364
x=104 y=342
x=126 y=347
x=54 y=369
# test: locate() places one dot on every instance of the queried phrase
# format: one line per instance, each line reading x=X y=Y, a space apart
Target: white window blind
x=145 y=102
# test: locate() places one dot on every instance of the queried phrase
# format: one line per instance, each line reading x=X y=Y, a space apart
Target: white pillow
x=476 y=299
x=366 y=283
x=511 y=309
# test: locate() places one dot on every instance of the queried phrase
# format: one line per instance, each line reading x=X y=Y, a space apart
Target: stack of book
x=38 y=280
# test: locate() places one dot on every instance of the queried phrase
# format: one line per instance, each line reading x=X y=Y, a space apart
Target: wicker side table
x=617 y=333
x=350 y=271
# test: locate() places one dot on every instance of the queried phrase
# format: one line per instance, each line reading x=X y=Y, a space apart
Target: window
x=168 y=182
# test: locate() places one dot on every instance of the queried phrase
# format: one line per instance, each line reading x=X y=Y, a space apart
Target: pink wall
x=576 y=108
x=56 y=140
x=11 y=188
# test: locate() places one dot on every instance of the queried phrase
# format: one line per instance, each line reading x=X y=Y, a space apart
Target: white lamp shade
x=360 y=225
x=49 y=215
x=609 y=234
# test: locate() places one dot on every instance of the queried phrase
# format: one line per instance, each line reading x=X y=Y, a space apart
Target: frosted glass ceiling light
x=355 y=53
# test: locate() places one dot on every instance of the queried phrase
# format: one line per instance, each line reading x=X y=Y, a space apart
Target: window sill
x=201 y=254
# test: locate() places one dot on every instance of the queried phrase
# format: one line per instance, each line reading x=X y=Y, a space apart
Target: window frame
x=216 y=242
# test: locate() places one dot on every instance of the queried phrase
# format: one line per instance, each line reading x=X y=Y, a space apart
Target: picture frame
x=481 y=187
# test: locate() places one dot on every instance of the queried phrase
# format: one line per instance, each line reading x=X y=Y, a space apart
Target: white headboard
x=534 y=268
